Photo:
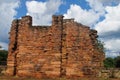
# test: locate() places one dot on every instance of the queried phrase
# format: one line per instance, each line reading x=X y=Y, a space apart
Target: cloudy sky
x=102 y=15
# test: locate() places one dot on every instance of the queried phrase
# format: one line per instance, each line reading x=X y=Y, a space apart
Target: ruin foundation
x=64 y=49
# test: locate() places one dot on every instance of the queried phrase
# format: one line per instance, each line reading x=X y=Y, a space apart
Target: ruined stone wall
x=82 y=55
x=66 y=48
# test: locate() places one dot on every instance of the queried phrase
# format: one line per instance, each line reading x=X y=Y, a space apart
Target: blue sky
x=62 y=9
x=102 y=15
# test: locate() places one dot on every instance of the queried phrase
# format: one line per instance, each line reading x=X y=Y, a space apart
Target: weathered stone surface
x=66 y=48
x=110 y=73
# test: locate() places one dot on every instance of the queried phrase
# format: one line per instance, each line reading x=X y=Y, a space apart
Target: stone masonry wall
x=66 y=48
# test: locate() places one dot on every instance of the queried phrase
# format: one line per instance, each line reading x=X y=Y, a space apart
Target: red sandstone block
x=56 y=63
x=27 y=66
x=56 y=66
x=56 y=73
x=41 y=60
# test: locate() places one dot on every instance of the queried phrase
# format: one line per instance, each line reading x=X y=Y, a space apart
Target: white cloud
x=109 y=29
x=106 y=26
x=99 y=5
x=113 y=45
x=4 y=45
x=33 y=7
x=86 y=17
x=111 y=22
x=110 y=2
x=7 y=1
x=42 y=11
x=7 y=13
x=112 y=54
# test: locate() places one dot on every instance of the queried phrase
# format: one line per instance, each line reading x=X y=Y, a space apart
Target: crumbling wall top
x=27 y=20
x=27 y=17
x=56 y=19
x=68 y=20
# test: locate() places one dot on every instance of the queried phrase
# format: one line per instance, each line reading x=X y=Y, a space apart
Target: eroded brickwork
x=66 y=48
